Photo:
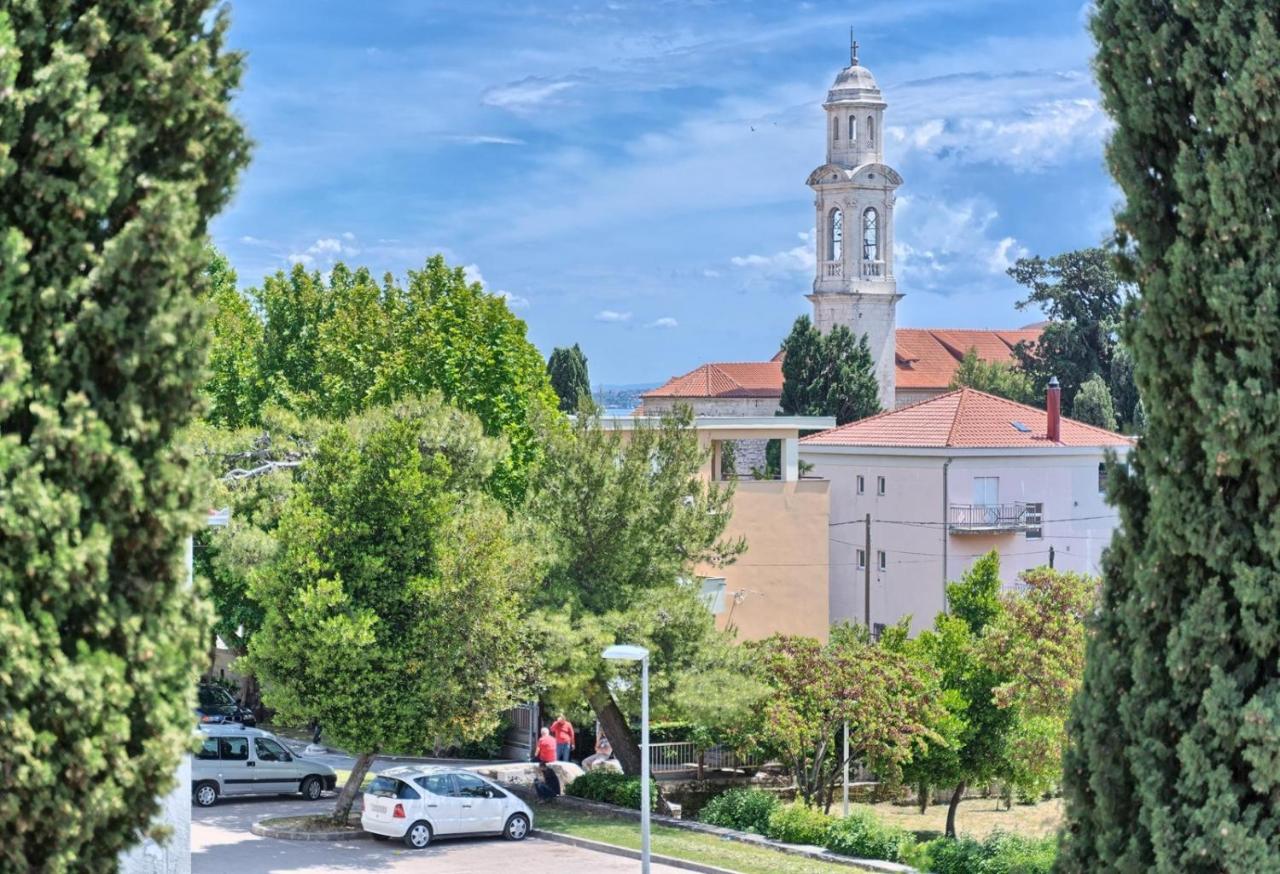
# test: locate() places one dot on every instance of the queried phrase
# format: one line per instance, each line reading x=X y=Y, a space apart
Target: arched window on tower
x=835 y=130
x=871 y=130
x=853 y=129
x=870 y=234
x=835 y=235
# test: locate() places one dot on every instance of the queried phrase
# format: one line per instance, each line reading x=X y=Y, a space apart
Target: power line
x=933 y=524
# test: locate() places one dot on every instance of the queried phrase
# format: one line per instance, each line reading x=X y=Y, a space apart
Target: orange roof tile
x=964 y=418
x=725 y=379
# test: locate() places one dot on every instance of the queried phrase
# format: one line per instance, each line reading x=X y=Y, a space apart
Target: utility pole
x=1050 y=558
x=867 y=591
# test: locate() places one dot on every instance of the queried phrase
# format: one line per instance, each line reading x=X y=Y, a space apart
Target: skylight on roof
x=1019 y=426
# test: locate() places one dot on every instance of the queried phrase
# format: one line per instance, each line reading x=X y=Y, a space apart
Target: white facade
x=918 y=500
x=854 y=282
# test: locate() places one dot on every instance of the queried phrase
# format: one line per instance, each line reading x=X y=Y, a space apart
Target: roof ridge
x=959 y=411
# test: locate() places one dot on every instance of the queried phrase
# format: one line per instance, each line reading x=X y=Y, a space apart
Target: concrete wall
x=712 y=406
x=907 y=525
x=174 y=855
x=906 y=396
x=783 y=576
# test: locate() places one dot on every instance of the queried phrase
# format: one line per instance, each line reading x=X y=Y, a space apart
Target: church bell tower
x=854 y=284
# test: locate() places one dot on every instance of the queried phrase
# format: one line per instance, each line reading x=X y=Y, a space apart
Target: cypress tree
x=117 y=144
x=1176 y=759
x=1093 y=404
x=567 y=369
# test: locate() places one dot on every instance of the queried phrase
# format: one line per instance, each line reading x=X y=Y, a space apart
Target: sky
x=631 y=175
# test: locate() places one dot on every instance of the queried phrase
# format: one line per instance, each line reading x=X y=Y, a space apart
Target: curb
x=263 y=828
x=627 y=853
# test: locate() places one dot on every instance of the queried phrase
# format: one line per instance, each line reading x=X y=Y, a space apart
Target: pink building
x=944 y=481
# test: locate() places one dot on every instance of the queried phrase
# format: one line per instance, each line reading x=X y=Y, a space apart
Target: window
x=835 y=130
x=1035 y=521
x=871 y=234
x=1102 y=477
x=986 y=490
x=862 y=560
x=471 y=786
x=234 y=749
x=268 y=750
x=835 y=235
x=877 y=631
x=209 y=749
x=390 y=787
x=880 y=485
x=853 y=129
x=881 y=561
x=871 y=130
x=436 y=784
x=862 y=484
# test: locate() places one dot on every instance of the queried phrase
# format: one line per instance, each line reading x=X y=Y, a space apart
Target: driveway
x=221 y=842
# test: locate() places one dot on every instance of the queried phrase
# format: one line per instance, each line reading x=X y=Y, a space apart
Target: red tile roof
x=964 y=418
x=927 y=358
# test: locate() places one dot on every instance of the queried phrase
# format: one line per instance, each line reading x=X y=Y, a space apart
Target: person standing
x=546 y=749
x=562 y=731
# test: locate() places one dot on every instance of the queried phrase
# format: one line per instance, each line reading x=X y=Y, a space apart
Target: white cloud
x=664 y=322
x=612 y=316
x=255 y=241
x=326 y=247
x=472 y=273
x=483 y=140
x=944 y=245
x=711 y=274
x=300 y=258
x=1006 y=252
x=325 y=250
x=514 y=301
x=797 y=259
x=527 y=94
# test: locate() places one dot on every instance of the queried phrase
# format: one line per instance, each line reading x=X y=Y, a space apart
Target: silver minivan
x=234 y=760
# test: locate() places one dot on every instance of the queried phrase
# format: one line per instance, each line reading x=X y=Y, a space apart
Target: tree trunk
x=347 y=797
x=923 y=797
x=951 y=810
x=625 y=748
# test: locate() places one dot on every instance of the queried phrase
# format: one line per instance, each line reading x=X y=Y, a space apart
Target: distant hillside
x=621 y=398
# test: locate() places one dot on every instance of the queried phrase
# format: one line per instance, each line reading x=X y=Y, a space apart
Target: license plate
x=378 y=808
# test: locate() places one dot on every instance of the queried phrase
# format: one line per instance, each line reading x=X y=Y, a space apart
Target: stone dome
x=852 y=83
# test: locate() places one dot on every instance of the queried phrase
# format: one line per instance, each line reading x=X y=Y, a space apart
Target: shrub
x=612 y=788
x=954 y=856
x=744 y=809
x=798 y=824
x=863 y=835
x=1000 y=853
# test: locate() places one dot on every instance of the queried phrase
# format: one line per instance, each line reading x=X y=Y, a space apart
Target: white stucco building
x=945 y=481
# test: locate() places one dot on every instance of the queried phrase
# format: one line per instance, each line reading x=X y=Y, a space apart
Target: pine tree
x=830 y=375
x=1177 y=730
x=117 y=144
x=1093 y=404
x=567 y=368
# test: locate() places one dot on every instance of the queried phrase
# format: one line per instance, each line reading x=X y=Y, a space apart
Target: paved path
x=221 y=843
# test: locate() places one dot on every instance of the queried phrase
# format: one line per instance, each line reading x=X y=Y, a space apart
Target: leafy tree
x=1092 y=404
x=567 y=369
x=117 y=144
x=626 y=520
x=1124 y=392
x=887 y=699
x=1081 y=295
x=234 y=388
x=391 y=612
x=994 y=377
x=1173 y=765
x=828 y=376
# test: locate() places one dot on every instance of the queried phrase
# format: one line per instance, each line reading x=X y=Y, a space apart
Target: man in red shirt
x=546 y=750
x=562 y=731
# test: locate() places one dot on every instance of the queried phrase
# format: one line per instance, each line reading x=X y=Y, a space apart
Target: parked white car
x=419 y=803
x=234 y=760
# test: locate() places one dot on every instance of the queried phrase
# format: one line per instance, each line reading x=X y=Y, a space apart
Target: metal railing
x=684 y=757
x=986 y=518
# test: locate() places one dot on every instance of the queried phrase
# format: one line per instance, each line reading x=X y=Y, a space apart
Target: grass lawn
x=345 y=773
x=977 y=817
x=678 y=843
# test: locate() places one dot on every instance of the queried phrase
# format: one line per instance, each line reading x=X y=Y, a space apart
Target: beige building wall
x=906 y=396
x=711 y=406
x=907 y=522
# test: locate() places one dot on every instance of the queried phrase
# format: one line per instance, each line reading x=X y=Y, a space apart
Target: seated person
x=546 y=749
x=604 y=752
x=548 y=784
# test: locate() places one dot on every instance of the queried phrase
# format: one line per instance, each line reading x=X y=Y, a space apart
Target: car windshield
x=214 y=698
x=385 y=787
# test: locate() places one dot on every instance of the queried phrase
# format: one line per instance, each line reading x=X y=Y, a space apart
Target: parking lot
x=221 y=842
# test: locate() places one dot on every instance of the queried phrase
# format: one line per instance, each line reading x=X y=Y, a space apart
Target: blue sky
x=631 y=174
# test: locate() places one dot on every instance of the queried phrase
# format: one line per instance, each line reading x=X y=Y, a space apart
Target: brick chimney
x=1053 y=405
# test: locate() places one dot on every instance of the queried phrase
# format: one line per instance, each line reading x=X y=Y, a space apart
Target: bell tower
x=854 y=284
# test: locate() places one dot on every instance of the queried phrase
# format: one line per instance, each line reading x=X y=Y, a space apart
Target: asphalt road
x=221 y=843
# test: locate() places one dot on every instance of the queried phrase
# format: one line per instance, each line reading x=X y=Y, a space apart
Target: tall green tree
x=1173 y=766
x=1081 y=295
x=117 y=145
x=234 y=389
x=830 y=375
x=1092 y=404
x=392 y=609
x=627 y=520
x=994 y=377
x=567 y=369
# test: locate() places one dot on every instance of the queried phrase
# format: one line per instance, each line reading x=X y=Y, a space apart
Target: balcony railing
x=873 y=268
x=683 y=757
x=987 y=518
x=832 y=269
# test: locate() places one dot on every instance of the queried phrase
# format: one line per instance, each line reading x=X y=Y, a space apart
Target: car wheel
x=205 y=794
x=418 y=836
x=311 y=788
x=517 y=827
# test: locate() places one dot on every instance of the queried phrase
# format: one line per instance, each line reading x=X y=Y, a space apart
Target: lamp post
x=631 y=653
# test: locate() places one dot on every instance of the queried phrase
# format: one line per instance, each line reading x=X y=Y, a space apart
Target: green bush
x=743 y=809
x=863 y=835
x=1000 y=853
x=799 y=824
x=612 y=788
x=954 y=856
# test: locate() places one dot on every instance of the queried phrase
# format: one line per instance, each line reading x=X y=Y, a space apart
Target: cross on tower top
x=853 y=49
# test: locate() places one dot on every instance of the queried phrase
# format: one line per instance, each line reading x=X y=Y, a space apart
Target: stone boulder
x=523 y=774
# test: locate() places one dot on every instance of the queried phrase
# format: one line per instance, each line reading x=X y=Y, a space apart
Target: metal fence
x=684 y=757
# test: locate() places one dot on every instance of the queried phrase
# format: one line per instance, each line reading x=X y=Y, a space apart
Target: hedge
x=612 y=788
x=799 y=824
x=746 y=810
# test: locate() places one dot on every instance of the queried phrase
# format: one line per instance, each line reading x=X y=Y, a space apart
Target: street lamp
x=630 y=653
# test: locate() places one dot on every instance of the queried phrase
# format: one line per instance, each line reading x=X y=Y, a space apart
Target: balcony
x=832 y=269
x=873 y=269
x=987 y=518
